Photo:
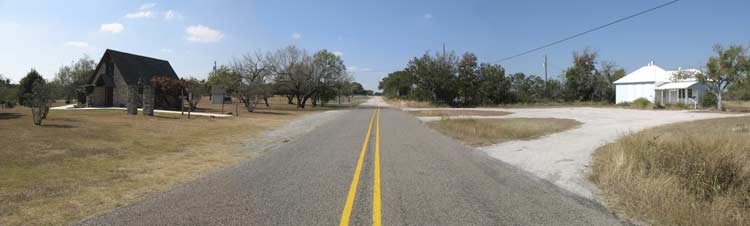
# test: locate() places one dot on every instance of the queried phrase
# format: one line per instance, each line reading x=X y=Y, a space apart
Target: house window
x=690 y=93
x=681 y=93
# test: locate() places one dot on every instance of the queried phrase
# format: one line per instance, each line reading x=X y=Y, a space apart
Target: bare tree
x=292 y=70
x=255 y=71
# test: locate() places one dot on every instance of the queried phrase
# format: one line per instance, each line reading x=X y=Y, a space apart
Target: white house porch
x=679 y=92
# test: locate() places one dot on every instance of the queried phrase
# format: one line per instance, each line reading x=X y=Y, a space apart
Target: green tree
x=494 y=87
x=468 y=80
x=225 y=76
x=70 y=78
x=38 y=100
x=579 y=79
x=328 y=70
x=397 y=84
x=26 y=86
x=8 y=93
x=194 y=91
x=435 y=77
x=604 y=87
x=730 y=65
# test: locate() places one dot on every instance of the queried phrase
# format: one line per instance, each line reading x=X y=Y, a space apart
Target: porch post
x=132 y=100
x=148 y=100
x=669 y=94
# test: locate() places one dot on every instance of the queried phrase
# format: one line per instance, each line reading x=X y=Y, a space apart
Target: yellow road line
x=376 y=178
x=353 y=187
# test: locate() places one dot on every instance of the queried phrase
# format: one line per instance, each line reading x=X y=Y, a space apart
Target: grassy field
x=737 y=106
x=447 y=113
x=81 y=163
x=482 y=132
x=277 y=103
x=694 y=173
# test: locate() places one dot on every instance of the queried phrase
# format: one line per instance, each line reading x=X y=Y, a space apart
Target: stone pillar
x=132 y=100
x=148 y=100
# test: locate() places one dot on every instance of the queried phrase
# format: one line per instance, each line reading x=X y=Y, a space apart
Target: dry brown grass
x=447 y=113
x=695 y=173
x=737 y=106
x=80 y=163
x=481 y=132
x=408 y=103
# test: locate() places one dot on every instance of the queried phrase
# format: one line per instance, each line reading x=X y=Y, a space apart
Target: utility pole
x=443 y=49
x=545 y=68
x=545 y=72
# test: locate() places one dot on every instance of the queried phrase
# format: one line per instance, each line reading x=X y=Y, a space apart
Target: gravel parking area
x=564 y=158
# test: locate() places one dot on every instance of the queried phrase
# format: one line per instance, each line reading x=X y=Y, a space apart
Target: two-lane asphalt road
x=367 y=167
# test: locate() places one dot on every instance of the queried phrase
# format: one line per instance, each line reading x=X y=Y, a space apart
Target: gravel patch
x=294 y=129
x=564 y=158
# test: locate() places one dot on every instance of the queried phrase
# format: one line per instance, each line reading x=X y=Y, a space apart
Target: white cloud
x=147 y=6
x=140 y=14
x=359 y=69
x=296 y=35
x=338 y=53
x=166 y=50
x=203 y=34
x=171 y=15
x=427 y=16
x=114 y=28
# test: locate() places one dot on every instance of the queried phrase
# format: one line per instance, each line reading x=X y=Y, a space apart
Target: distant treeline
x=443 y=78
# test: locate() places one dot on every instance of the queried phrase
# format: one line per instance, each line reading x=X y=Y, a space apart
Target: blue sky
x=374 y=37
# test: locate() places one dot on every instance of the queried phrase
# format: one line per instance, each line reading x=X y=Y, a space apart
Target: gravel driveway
x=564 y=158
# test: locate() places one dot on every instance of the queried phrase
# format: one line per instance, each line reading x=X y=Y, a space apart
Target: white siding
x=631 y=91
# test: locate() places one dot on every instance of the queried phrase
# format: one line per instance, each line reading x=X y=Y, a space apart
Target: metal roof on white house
x=676 y=85
x=646 y=74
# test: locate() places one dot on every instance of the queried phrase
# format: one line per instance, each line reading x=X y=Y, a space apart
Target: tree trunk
x=249 y=103
x=314 y=102
x=300 y=102
x=718 y=101
x=265 y=99
x=290 y=99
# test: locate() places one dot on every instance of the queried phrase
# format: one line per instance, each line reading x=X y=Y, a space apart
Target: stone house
x=119 y=73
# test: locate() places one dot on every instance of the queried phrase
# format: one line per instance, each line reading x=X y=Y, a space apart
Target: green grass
x=694 y=173
x=482 y=132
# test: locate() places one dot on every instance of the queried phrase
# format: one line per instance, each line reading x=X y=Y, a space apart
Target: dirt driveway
x=564 y=158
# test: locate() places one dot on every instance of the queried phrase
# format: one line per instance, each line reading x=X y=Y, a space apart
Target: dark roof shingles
x=132 y=67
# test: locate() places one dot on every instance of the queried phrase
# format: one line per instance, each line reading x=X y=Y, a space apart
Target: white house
x=660 y=86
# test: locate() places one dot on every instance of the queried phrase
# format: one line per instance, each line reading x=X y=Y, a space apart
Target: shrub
x=641 y=103
x=681 y=105
x=708 y=100
x=38 y=100
x=682 y=174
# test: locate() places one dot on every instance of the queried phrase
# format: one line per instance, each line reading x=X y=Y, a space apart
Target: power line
x=588 y=31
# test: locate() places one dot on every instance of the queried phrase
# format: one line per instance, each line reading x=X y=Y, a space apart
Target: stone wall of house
x=120 y=92
x=97 y=97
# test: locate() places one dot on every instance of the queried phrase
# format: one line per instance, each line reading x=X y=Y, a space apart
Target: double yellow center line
x=376 y=213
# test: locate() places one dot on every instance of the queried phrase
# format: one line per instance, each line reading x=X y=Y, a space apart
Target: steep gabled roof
x=134 y=67
x=645 y=74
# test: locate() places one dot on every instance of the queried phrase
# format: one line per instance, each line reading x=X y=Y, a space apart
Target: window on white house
x=690 y=93
x=681 y=93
